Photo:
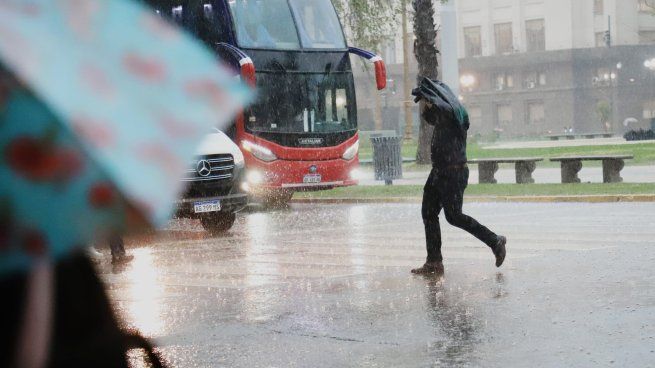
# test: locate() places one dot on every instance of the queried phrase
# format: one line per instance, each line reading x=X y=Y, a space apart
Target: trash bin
x=387 y=159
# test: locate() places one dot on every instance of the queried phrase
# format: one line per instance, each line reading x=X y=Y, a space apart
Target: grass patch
x=403 y=191
x=644 y=153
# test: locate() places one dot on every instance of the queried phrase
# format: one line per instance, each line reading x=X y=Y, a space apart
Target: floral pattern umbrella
x=102 y=103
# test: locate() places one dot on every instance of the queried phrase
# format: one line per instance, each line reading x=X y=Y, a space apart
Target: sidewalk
x=630 y=174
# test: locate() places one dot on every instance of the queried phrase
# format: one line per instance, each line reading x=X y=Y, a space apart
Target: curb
x=483 y=199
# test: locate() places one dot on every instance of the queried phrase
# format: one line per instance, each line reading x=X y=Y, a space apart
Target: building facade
x=535 y=67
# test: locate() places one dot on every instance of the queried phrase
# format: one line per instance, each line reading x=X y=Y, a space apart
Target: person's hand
x=416 y=92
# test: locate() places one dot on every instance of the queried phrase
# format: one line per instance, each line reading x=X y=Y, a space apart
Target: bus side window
x=176 y=14
x=200 y=17
x=209 y=27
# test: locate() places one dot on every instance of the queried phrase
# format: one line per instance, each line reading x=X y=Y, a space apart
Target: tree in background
x=604 y=112
x=369 y=24
x=648 y=5
x=425 y=51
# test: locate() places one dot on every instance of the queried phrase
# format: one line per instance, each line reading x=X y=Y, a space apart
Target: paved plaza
x=329 y=286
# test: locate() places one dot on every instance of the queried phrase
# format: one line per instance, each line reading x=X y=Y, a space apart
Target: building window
x=534 y=80
x=598 y=7
x=646 y=6
x=536 y=113
x=472 y=41
x=649 y=109
x=503 y=37
x=503 y=81
x=646 y=37
x=503 y=114
x=535 y=35
x=603 y=77
x=475 y=116
x=600 y=39
x=468 y=82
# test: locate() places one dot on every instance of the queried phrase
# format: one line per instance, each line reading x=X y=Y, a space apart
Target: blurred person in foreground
x=98 y=117
x=449 y=176
x=59 y=315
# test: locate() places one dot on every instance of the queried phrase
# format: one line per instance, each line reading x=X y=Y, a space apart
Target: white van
x=215 y=184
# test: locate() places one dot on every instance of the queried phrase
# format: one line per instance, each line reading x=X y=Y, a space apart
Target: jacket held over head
x=450 y=120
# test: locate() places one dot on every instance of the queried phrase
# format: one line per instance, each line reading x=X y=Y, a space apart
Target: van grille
x=210 y=167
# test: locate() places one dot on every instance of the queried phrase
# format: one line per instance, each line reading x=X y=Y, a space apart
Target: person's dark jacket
x=450 y=121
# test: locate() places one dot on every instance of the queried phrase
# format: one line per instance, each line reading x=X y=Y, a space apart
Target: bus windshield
x=287 y=24
x=303 y=103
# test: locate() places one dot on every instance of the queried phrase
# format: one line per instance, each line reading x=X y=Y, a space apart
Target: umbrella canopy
x=102 y=104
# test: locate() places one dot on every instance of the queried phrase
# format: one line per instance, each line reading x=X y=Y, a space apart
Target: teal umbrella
x=102 y=103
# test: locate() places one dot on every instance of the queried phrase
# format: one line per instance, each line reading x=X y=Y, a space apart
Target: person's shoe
x=121 y=260
x=500 y=251
x=430 y=268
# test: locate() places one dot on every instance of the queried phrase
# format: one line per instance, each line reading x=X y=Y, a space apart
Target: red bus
x=301 y=133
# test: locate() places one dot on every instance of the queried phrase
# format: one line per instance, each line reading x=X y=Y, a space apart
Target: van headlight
x=351 y=152
x=258 y=151
x=239 y=161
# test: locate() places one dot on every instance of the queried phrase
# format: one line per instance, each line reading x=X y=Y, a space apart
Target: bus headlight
x=351 y=152
x=258 y=151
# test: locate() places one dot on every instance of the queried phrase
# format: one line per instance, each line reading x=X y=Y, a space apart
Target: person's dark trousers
x=445 y=189
x=117 y=247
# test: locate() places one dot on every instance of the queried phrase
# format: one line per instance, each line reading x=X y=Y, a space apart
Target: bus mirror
x=380 y=73
x=380 y=68
x=248 y=71
x=246 y=66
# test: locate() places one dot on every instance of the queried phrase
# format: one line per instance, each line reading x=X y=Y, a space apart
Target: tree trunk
x=425 y=51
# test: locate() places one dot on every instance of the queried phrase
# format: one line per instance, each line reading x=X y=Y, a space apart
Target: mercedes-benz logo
x=313 y=169
x=203 y=168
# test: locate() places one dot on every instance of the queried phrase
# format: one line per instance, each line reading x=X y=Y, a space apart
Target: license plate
x=206 y=206
x=311 y=179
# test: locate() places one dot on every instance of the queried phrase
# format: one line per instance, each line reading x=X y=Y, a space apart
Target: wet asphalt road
x=329 y=286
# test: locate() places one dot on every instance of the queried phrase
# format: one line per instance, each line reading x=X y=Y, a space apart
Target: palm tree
x=425 y=51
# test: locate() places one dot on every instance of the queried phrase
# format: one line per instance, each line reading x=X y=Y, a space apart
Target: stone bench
x=556 y=137
x=597 y=135
x=524 y=167
x=612 y=166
